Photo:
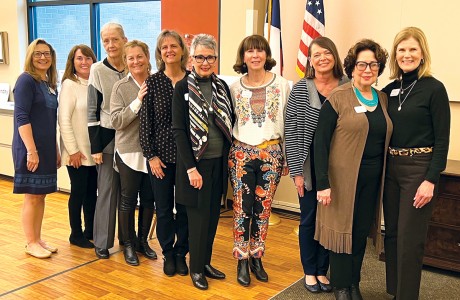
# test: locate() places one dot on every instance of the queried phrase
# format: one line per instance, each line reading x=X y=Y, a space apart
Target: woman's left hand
x=285 y=171
x=424 y=194
x=142 y=91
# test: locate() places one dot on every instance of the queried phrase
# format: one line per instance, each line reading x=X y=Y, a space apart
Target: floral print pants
x=255 y=174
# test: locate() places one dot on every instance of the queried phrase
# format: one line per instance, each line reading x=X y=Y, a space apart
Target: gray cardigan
x=124 y=120
x=302 y=114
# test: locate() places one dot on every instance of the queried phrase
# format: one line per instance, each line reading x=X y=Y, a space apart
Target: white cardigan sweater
x=73 y=121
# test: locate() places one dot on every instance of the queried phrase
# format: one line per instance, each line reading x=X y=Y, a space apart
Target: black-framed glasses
x=201 y=58
x=362 y=65
x=38 y=54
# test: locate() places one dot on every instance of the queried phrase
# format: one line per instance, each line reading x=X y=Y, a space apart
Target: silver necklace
x=401 y=91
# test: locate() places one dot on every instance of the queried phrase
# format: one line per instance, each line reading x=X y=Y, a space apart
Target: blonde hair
x=140 y=44
x=69 y=72
x=185 y=53
x=418 y=35
x=29 y=67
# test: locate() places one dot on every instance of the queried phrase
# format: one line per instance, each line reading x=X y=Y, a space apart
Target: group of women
x=179 y=133
x=351 y=148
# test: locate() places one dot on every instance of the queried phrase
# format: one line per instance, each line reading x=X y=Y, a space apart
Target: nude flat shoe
x=50 y=248
x=38 y=254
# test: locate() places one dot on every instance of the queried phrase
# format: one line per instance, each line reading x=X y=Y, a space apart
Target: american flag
x=272 y=32
x=313 y=27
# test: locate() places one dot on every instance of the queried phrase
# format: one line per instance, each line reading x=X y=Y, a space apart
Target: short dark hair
x=254 y=41
x=365 y=44
x=328 y=44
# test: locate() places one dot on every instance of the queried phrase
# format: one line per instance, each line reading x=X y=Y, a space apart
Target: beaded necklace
x=371 y=103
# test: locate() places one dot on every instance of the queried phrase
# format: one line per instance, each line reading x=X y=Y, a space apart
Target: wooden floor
x=75 y=273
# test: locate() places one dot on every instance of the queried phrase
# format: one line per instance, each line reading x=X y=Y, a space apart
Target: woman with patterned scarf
x=256 y=160
x=201 y=124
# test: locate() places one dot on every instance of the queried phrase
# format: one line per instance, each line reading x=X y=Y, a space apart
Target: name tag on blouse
x=394 y=92
x=360 y=109
x=186 y=97
x=246 y=94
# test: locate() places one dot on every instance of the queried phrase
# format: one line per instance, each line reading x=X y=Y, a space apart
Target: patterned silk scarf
x=199 y=114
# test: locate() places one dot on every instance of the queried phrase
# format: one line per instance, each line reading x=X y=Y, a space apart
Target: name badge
x=394 y=92
x=186 y=97
x=246 y=94
x=52 y=91
x=360 y=109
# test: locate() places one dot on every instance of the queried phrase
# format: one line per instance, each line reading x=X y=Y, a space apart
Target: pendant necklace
x=402 y=92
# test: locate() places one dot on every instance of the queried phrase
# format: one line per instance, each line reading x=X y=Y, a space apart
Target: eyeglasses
x=362 y=65
x=200 y=59
x=38 y=54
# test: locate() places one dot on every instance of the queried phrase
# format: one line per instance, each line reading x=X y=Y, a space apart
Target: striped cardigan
x=302 y=114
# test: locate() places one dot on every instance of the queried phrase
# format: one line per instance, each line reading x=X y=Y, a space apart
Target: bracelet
x=191 y=170
x=30 y=153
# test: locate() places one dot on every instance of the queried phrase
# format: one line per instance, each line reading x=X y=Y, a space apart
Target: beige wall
x=13 y=21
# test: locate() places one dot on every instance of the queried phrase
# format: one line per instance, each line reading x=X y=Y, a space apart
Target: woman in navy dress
x=35 y=156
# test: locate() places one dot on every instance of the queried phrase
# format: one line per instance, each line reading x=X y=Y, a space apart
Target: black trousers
x=83 y=194
x=133 y=182
x=170 y=227
x=314 y=258
x=204 y=218
x=405 y=226
x=346 y=268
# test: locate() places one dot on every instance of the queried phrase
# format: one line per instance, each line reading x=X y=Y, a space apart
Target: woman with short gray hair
x=202 y=124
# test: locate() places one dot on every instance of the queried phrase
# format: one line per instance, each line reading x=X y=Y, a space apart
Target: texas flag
x=272 y=32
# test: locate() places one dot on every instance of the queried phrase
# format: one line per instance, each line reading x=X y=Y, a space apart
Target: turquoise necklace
x=370 y=103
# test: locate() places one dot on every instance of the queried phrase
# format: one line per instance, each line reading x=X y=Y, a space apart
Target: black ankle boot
x=243 y=272
x=342 y=293
x=145 y=221
x=126 y=224
x=258 y=269
x=355 y=292
x=130 y=255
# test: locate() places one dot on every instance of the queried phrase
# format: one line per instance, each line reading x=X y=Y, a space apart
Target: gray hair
x=113 y=25
x=204 y=40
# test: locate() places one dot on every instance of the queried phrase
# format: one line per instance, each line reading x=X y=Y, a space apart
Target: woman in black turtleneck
x=419 y=108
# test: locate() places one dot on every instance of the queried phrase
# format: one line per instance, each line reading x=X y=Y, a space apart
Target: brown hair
x=30 y=68
x=419 y=36
x=329 y=45
x=185 y=53
x=365 y=44
x=253 y=42
x=69 y=72
x=140 y=44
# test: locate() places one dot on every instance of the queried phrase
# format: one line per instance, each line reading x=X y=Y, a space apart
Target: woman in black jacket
x=202 y=120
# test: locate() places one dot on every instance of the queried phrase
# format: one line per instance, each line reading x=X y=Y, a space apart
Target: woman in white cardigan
x=75 y=146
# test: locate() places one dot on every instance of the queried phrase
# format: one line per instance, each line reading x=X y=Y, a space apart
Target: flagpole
x=269 y=19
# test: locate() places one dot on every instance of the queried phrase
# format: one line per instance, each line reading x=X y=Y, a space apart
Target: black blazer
x=185 y=193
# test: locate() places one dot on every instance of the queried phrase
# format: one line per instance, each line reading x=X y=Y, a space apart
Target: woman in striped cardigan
x=324 y=72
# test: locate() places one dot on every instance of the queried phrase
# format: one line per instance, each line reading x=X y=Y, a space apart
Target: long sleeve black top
x=424 y=118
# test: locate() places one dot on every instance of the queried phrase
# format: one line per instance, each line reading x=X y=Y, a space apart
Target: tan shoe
x=48 y=247
x=39 y=252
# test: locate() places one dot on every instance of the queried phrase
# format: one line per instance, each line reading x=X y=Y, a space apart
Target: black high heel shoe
x=258 y=269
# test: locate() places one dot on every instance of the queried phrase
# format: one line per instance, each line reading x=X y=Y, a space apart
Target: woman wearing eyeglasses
x=350 y=145
x=201 y=124
x=256 y=160
x=35 y=154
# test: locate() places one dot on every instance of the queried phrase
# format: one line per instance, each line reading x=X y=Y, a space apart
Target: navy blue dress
x=36 y=104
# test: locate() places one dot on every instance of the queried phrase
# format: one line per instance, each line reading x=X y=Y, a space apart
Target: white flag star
x=319 y=11
x=309 y=3
x=317 y=3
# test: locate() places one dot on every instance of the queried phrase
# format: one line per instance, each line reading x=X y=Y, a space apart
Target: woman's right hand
x=142 y=91
x=324 y=197
x=97 y=157
x=75 y=159
x=195 y=179
x=32 y=161
x=298 y=181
